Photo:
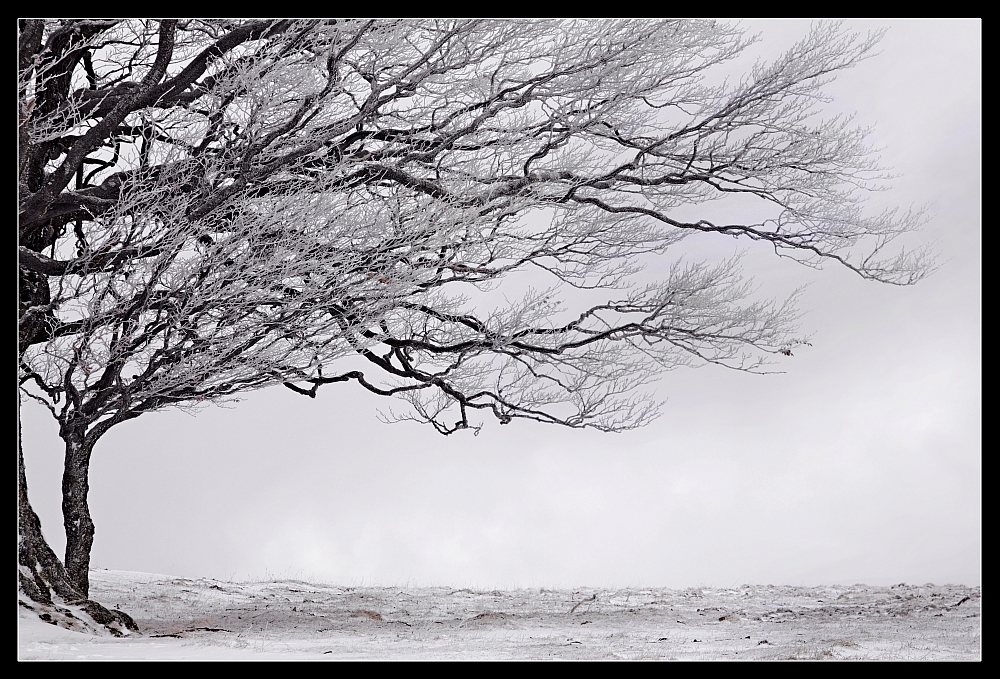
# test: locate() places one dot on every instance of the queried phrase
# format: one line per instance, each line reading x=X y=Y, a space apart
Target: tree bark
x=76 y=511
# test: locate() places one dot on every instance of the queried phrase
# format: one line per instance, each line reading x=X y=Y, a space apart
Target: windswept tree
x=455 y=213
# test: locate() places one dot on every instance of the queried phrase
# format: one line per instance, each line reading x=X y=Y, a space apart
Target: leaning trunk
x=46 y=587
x=41 y=573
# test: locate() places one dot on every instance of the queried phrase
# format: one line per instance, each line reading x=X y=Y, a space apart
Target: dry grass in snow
x=292 y=620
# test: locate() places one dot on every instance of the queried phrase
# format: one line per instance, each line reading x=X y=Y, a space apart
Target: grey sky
x=860 y=463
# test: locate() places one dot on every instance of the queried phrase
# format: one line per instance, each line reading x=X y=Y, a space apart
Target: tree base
x=43 y=585
x=85 y=616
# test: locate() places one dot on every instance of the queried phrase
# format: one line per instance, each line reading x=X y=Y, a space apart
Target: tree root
x=84 y=615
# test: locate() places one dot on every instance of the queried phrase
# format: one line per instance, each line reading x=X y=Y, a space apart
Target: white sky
x=861 y=463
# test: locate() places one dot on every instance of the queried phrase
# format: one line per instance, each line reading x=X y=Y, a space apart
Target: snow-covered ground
x=291 y=620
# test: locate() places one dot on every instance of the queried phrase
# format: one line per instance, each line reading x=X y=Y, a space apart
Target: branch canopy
x=457 y=213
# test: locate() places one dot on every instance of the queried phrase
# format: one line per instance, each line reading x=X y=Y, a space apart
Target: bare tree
x=457 y=213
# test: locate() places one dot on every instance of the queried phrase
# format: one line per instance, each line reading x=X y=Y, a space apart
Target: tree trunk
x=40 y=573
x=76 y=512
x=46 y=587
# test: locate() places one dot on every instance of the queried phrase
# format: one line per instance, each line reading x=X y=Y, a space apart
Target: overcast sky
x=860 y=463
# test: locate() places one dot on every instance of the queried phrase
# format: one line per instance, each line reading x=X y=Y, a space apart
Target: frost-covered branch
x=268 y=198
